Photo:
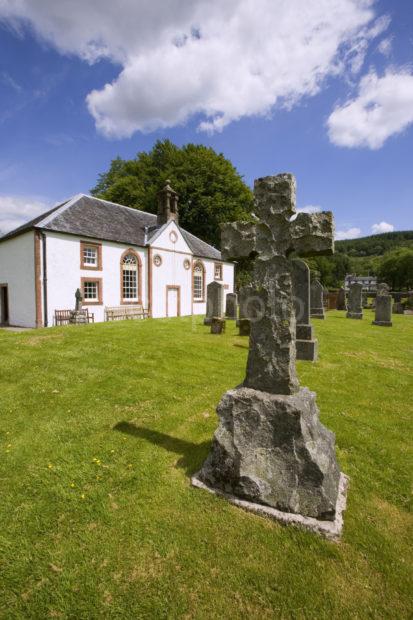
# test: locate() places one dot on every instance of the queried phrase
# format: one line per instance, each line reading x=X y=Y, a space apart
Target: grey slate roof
x=86 y=216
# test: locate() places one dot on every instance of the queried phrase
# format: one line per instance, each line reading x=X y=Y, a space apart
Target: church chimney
x=167 y=205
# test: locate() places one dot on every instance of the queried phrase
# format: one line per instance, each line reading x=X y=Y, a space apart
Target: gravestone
x=316 y=300
x=215 y=302
x=78 y=316
x=354 y=308
x=243 y=301
x=306 y=346
x=244 y=326
x=231 y=306
x=217 y=325
x=364 y=300
x=398 y=308
x=270 y=452
x=383 y=311
x=332 y=300
x=341 y=300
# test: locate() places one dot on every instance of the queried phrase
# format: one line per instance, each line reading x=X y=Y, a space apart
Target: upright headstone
x=270 y=447
x=341 y=300
x=398 y=308
x=316 y=300
x=244 y=326
x=306 y=344
x=215 y=302
x=332 y=300
x=217 y=325
x=364 y=300
x=383 y=311
x=231 y=306
x=354 y=307
x=243 y=302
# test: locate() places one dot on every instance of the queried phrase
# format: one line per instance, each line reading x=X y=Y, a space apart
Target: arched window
x=199 y=282
x=130 y=277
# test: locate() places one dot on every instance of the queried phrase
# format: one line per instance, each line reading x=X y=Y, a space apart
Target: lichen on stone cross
x=270 y=239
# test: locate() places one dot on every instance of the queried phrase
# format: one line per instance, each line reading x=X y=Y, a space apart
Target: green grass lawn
x=100 y=429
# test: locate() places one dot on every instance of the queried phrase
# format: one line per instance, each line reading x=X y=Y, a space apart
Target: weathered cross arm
x=313 y=234
x=238 y=240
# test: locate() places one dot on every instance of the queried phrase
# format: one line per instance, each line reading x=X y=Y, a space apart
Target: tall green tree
x=396 y=269
x=210 y=189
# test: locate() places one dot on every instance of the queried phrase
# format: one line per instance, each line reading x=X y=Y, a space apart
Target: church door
x=4 y=305
x=173 y=301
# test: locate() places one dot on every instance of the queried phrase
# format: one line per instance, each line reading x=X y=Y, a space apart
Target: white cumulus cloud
x=350 y=233
x=17 y=210
x=383 y=227
x=383 y=107
x=217 y=60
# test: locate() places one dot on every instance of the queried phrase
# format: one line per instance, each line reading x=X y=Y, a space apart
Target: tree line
x=211 y=191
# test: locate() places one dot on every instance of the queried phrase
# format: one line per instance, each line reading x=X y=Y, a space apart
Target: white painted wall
x=173 y=273
x=17 y=271
x=64 y=273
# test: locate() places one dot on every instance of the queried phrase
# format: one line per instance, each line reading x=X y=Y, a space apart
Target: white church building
x=117 y=256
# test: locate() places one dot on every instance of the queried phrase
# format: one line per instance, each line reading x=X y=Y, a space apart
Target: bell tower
x=167 y=205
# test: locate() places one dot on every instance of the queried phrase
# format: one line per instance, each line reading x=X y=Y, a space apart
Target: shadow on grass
x=192 y=454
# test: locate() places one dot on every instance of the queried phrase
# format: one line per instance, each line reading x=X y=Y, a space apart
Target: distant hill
x=375 y=245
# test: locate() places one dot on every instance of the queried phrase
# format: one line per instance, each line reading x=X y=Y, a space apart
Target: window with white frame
x=91 y=290
x=217 y=271
x=130 y=278
x=90 y=256
x=198 y=282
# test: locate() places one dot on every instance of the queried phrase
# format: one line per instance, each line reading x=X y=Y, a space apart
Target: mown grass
x=100 y=429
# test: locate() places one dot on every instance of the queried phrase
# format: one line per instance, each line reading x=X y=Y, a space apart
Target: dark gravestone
x=354 y=307
x=306 y=345
x=270 y=447
x=231 y=306
x=217 y=325
x=244 y=326
x=332 y=300
x=316 y=300
x=215 y=302
x=341 y=300
x=243 y=303
x=398 y=308
x=383 y=311
x=364 y=300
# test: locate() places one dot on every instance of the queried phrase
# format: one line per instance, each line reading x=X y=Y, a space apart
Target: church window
x=217 y=271
x=199 y=282
x=90 y=255
x=91 y=291
x=130 y=277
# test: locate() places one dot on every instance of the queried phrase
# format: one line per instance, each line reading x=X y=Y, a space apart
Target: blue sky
x=325 y=93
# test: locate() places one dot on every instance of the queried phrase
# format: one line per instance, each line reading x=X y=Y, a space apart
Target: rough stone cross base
x=331 y=530
x=271 y=450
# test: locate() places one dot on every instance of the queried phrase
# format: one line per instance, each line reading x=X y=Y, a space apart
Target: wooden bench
x=62 y=317
x=122 y=313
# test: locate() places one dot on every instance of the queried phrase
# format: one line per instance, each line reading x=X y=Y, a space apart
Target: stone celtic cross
x=270 y=240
